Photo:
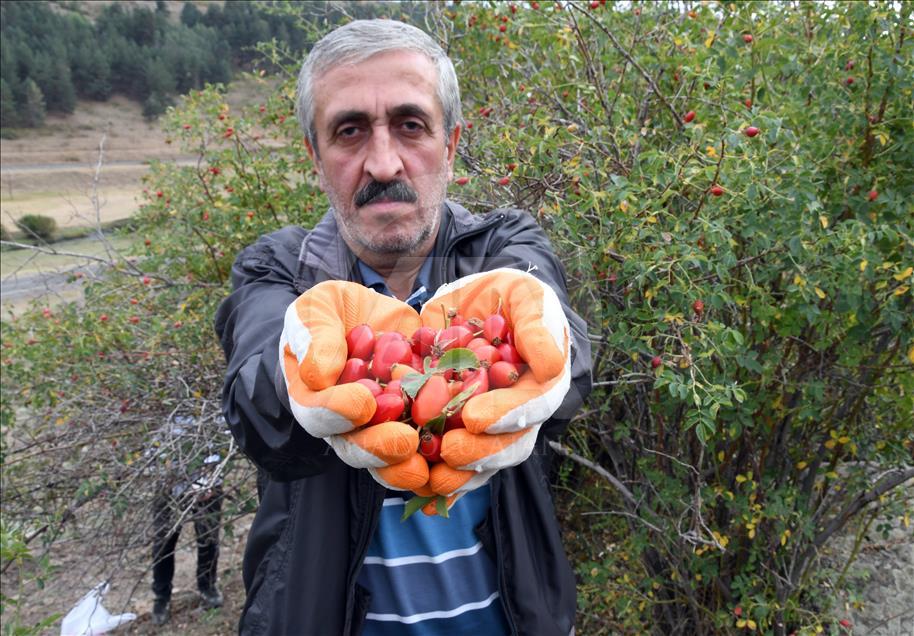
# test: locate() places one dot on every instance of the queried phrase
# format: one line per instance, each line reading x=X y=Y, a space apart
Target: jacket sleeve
x=249 y=323
x=524 y=245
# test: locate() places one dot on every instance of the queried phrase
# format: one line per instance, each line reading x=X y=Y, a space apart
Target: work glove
x=313 y=350
x=502 y=424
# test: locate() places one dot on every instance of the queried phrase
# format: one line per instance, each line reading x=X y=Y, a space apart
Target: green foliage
x=136 y=51
x=37 y=227
x=779 y=313
x=8 y=115
x=33 y=109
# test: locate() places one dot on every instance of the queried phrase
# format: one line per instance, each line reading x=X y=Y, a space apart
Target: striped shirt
x=430 y=575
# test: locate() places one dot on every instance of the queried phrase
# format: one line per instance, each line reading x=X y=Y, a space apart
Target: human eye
x=412 y=126
x=347 y=132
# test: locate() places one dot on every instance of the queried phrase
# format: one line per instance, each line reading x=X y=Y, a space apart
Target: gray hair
x=360 y=40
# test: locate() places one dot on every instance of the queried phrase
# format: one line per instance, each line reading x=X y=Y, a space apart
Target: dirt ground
x=52 y=170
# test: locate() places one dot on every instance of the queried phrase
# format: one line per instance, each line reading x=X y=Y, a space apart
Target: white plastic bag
x=90 y=618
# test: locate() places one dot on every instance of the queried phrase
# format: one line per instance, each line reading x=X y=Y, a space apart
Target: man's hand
x=502 y=424
x=313 y=351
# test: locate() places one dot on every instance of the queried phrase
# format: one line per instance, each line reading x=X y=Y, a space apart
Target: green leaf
x=458 y=359
x=413 y=505
x=435 y=425
x=457 y=401
x=412 y=382
x=441 y=506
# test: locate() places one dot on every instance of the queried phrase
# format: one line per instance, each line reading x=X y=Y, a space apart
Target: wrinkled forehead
x=381 y=81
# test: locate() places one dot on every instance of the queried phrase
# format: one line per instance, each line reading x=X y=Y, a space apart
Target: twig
x=608 y=476
x=631 y=60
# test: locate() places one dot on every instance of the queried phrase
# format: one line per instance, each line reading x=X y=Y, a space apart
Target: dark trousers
x=207 y=516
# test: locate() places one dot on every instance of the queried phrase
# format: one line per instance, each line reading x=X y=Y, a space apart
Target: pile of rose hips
x=425 y=380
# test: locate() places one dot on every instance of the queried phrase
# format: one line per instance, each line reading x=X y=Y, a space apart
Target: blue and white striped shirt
x=429 y=576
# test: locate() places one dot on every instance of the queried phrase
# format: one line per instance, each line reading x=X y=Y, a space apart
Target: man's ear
x=452 y=141
x=315 y=161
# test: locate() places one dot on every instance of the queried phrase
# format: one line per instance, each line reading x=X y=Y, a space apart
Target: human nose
x=383 y=161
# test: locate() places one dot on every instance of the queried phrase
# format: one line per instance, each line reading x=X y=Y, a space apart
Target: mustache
x=389 y=191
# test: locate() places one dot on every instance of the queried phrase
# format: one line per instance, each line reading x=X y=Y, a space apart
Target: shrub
x=38 y=226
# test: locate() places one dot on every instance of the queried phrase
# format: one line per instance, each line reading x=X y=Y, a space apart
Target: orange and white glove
x=313 y=351
x=502 y=424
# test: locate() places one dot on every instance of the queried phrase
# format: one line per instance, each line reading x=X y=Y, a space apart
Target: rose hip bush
x=729 y=186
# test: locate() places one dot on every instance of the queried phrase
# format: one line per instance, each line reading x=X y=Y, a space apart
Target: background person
x=188 y=493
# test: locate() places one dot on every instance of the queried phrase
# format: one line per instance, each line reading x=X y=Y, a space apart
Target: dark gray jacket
x=317 y=514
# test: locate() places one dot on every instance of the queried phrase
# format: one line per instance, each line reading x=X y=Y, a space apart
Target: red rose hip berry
x=360 y=342
x=354 y=370
x=389 y=408
x=430 y=446
x=503 y=375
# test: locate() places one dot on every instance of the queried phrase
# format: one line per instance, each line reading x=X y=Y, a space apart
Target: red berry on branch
x=751 y=131
x=689 y=116
x=716 y=190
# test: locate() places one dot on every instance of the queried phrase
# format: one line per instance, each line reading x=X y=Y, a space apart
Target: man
x=327 y=554
x=191 y=489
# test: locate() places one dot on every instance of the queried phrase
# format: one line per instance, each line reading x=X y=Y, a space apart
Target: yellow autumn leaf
x=624 y=206
x=709 y=41
x=831 y=474
x=820 y=293
x=751 y=624
x=823 y=220
x=741 y=623
x=911 y=354
x=902 y=275
x=801 y=465
x=901 y=290
x=844 y=439
x=720 y=456
x=830 y=444
x=711 y=151
x=649 y=294
x=863 y=265
x=740 y=479
x=651 y=219
x=906 y=520
x=799 y=281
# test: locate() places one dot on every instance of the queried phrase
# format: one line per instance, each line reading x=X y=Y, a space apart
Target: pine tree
x=190 y=14
x=33 y=109
x=9 y=117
